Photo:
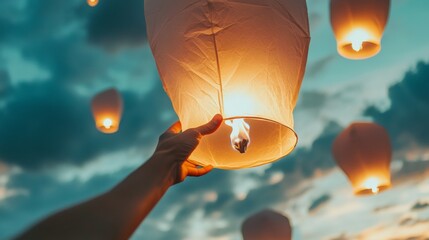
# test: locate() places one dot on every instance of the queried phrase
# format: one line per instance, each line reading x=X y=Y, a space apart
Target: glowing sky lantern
x=363 y=152
x=358 y=26
x=107 y=110
x=266 y=225
x=245 y=61
x=92 y=3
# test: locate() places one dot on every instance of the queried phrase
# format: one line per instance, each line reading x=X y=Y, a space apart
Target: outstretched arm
x=117 y=213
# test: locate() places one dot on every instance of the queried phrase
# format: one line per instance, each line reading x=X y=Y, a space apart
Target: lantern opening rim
x=368 y=191
x=258 y=162
x=369 y=50
x=112 y=129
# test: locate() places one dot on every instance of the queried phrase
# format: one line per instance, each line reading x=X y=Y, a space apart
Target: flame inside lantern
x=240 y=138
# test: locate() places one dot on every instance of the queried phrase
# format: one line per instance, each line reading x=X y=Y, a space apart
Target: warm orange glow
x=107 y=110
x=363 y=152
x=357 y=37
x=107 y=123
x=92 y=3
x=372 y=183
x=244 y=61
x=358 y=26
x=240 y=138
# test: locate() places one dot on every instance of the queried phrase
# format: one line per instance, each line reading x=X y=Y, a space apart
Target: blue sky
x=55 y=55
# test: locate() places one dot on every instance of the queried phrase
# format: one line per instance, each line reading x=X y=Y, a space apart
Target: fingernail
x=217 y=118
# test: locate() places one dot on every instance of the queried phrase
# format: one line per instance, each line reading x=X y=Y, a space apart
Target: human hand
x=176 y=146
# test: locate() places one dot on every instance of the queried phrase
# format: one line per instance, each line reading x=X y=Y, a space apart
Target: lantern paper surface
x=364 y=153
x=358 y=26
x=92 y=3
x=267 y=225
x=107 y=110
x=242 y=59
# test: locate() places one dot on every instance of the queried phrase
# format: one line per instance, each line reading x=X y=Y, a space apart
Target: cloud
x=312 y=100
x=317 y=157
x=406 y=121
x=383 y=208
x=407 y=118
x=319 y=202
x=319 y=65
x=117 y=23
x=303 y=163
x=341 y=237
x=47 y=124
x=316 y=19
x=4 y=82
x=45 y=194
x=420 y=205
x=411 y=170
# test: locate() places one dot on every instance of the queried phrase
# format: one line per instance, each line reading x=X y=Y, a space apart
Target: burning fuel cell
x=240 y=138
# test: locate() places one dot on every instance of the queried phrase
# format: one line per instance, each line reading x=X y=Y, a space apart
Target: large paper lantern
x=364 y=153
x=266 y=225
x=107 y=110
x=358 y=26
x=244 y=60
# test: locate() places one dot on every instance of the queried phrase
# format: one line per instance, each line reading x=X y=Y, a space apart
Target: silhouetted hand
x=129 y=202
x=175 y=145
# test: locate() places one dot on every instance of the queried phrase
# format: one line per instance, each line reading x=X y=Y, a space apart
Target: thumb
x=211 y=126
x=175 y=128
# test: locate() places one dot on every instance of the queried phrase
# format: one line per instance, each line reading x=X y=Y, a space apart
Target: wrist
x=165 y=167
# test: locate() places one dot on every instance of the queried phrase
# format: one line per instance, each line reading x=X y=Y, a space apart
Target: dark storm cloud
x=117 y=23
x=319 y=202
x=407 y=118
x=46 y=124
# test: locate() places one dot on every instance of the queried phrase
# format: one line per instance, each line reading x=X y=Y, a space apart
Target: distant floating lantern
x=358 y=26
x=244 y=61
x=107 y=110
x=364 y=153
x=92 y=3
x=267 y=225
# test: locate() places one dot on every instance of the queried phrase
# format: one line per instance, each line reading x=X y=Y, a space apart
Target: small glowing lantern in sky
x=107 y=110
x=358 y=26
x=245 y=61
x=92 y=3
x=266 y=225
x=363 y=152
